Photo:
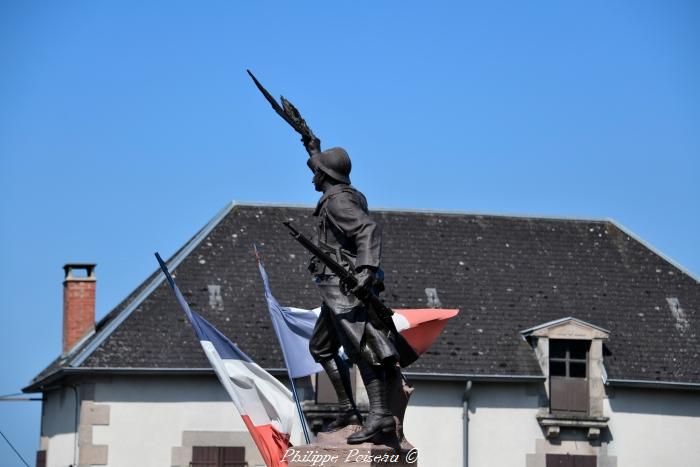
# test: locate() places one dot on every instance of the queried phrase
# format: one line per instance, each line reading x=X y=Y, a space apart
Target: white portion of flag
x=254 y=391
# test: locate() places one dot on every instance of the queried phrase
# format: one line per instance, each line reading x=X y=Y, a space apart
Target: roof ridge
x=269 y=204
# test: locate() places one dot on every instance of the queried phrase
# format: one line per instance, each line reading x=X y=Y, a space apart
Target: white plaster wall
x=433 y=423
x=652 y=428
x=502 y=424
x=149 y=415
x=58 y=427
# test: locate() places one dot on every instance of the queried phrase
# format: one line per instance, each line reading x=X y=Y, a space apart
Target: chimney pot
x=78 y=303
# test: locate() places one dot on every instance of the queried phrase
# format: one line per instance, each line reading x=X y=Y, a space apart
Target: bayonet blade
x=273 y=102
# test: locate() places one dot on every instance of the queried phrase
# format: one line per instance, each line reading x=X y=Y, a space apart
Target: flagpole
x=294 y=388
x=286 y=364
x=301 y=412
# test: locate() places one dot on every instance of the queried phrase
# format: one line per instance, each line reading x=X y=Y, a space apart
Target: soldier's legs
x=324 y=345
x=324 y=342
x=380 y=419
x=367 y=346
x=339 y=374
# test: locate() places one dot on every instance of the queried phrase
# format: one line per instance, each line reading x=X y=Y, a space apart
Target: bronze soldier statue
x=344 y=226
x=346 y=232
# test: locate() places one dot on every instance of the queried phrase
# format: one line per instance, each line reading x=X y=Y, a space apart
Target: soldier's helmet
x=334 y=162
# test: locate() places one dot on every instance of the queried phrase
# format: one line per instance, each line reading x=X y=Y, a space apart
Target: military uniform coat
x=346 y=231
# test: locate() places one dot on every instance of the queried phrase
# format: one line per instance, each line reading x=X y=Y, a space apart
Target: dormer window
x=570 y=354
x=568 y=376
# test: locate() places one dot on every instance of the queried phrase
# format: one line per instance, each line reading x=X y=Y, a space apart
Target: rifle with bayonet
x=378 y=312
x=292 y=116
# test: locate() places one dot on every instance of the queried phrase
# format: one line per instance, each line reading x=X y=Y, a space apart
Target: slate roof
x=504 y=273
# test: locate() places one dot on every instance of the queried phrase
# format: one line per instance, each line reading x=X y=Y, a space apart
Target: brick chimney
x=78 y=303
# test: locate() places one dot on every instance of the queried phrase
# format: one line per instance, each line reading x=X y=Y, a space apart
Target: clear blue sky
x=126 y=125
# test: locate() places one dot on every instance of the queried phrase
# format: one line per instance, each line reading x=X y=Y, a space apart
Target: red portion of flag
x=422 y=326
x=271 y=443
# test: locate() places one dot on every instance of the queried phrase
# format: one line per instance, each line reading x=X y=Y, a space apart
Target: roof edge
x=474 y=377
x=64 y=372
x=638 y=383
x=457 y=377
x=172 y=263
x=41 y=385
x=68 y=355
x=654 y=250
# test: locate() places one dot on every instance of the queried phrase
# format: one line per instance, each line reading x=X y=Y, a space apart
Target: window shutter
x=205 y=456
x=585 y=461
x=233 y=457
x=559 y=460
x=567 y=460
x=569 y=394
x=41 y=459
x=215 y=456
x=579 y=400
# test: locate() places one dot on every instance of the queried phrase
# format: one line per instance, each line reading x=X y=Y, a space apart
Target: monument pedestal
x=332 y=450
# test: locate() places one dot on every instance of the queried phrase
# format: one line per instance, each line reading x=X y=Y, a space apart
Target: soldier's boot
x=380 y=419
x=339 y=374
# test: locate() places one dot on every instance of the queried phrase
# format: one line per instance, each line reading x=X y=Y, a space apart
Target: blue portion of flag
x=203 y=328
x=224 y=347
x=293 y=327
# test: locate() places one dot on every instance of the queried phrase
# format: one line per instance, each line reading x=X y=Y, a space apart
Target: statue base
x=332 y=450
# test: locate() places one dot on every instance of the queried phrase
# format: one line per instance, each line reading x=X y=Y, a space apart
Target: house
x=576 y=345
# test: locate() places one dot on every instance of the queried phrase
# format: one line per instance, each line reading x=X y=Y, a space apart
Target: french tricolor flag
x=265 y=404
x=294 y=326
